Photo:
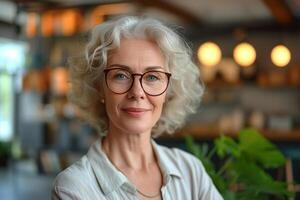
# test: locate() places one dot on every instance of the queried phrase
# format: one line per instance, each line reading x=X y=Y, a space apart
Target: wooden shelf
x=212 y=132
x=220 y=84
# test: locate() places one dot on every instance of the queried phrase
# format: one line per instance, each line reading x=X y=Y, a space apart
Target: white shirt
x=95 y=177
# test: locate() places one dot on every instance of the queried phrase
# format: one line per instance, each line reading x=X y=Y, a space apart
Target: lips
x=132 y=109
x=135 y=112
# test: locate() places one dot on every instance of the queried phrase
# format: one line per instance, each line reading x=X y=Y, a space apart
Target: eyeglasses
x=120 y=81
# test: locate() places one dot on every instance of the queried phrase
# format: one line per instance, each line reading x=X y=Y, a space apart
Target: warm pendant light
x=209 y=54
x=244 y=54
x=280 y=56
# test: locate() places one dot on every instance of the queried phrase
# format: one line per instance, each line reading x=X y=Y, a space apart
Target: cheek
x=112 y=112
x=111 y=102
x=158 y=102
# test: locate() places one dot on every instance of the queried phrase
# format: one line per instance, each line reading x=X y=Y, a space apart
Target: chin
x=136 y=129
x=135 y=126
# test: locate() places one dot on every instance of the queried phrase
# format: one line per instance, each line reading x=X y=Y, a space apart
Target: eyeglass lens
x=152 y=82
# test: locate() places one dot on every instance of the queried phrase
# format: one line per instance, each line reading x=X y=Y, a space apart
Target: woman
x=136 y=81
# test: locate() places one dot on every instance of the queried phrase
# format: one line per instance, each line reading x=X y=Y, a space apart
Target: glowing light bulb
x=280 y=56
x=244 y=54
x=209 y=54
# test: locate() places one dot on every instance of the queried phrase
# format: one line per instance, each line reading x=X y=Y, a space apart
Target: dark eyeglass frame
x=140 y=79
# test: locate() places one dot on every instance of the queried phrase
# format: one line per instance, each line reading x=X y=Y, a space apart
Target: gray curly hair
x=185 y=89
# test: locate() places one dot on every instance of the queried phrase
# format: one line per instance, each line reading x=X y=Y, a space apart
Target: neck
x=131 y=151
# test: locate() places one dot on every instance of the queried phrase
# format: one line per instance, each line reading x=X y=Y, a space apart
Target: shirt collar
x=166 y=162
x=110 y=178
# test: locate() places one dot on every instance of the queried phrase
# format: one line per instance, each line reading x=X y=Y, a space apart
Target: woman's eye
x=151 y=78
x=120 y=76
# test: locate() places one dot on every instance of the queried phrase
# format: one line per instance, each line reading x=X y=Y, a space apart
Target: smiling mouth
x=135 y=112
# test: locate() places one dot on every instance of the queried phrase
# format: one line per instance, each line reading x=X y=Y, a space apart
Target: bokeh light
x=280 y=56
x=209 y=54
x=244 y=54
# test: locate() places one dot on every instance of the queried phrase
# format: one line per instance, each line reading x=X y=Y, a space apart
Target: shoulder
x=191 y=170
x=185 y=163
x=180 y=157
x=70 y=181
x=73 y=173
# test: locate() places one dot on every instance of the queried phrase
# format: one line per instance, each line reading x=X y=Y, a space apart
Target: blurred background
x=247 y=51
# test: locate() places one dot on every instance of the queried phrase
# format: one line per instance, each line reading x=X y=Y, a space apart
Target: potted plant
x=5 y=150
x=245 y=163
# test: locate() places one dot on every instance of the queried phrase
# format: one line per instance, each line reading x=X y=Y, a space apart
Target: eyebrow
x=149 y=68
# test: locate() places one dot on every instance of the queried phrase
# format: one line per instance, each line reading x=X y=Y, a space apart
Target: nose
x=136 y=91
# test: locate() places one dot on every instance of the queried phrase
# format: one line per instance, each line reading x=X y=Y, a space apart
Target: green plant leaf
x=250 y=195
x=228 y=195
x=219 y=182
x=242 y=174
x=226 y=145
x=5 y=148
x=260 y=149
x=205 y=158
x=255 y=179
x=195 y=149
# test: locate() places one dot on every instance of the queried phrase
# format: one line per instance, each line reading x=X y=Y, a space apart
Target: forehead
x=137 y=54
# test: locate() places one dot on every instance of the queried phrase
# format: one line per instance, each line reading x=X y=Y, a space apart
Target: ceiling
x=210 y=14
